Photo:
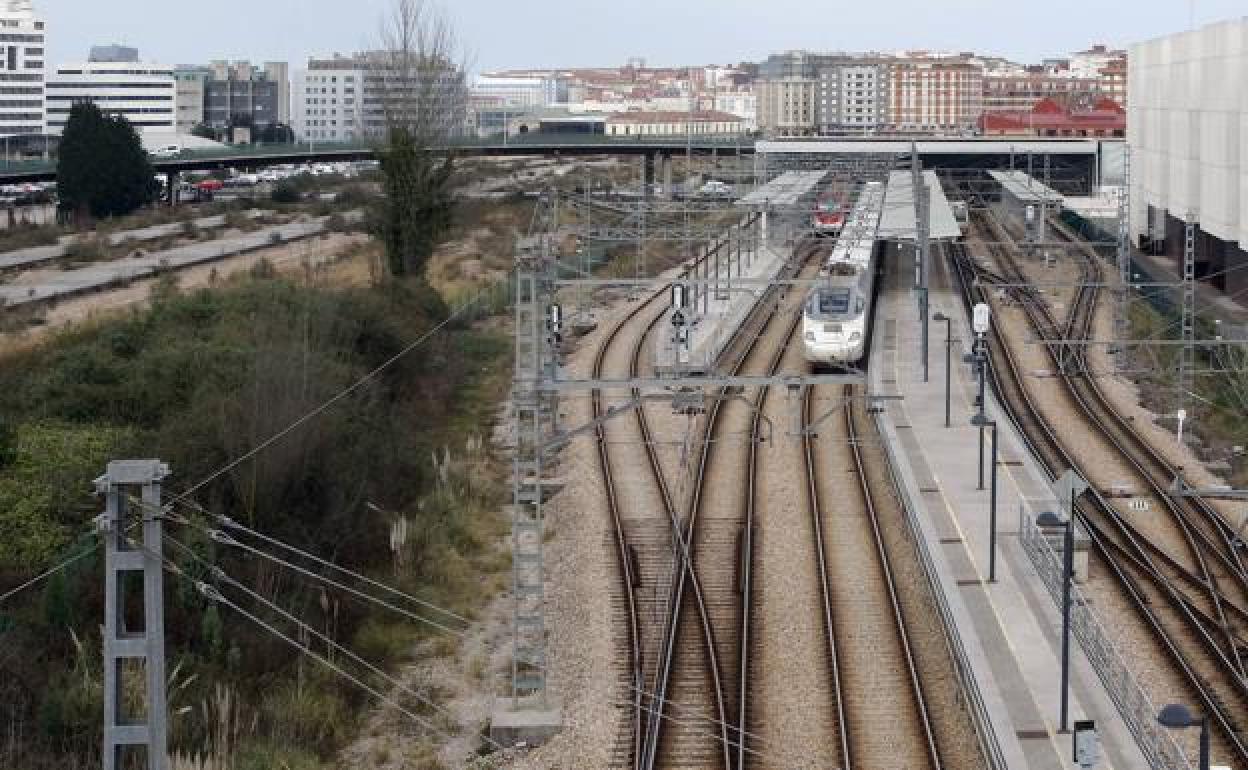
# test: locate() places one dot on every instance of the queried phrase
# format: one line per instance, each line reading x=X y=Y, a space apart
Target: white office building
x=1187 y=128
x=119 y=84
x=22 y=37
x=344 y=98
x=516 y=91
x=327 y=101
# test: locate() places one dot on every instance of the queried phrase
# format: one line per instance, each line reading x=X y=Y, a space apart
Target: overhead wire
x=230 y=523
x=50 y=572
x=219 y=574
x=329 y=403
x=224 y=538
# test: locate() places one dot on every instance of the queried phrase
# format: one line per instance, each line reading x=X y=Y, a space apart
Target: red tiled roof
x=710 y=116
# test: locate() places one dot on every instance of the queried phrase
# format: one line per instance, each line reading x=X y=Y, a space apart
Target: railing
x=980 y=718
x=1134 y=706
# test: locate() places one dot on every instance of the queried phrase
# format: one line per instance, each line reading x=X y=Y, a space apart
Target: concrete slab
x=1011 y=627
x=525 y=721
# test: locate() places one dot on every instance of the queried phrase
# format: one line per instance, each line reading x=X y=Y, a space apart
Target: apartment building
x=853 y=96
x=116 y=80
x=934 y=94
x=22 y=37
x=350 y=98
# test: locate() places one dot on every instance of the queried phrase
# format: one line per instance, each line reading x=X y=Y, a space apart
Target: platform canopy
x=1025 y=188
x=931 y=147
x=785 y=190
x=900 y=222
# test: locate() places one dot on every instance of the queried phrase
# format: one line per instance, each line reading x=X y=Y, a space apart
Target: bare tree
x=417 y=78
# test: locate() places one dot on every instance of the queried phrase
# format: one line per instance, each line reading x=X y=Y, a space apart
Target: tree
x=275 y=133
x=102 y=170
x=204 y=131
x=423 y=98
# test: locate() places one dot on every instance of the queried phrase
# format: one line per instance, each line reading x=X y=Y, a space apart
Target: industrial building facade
x=22 y=37
x=1189 y=144
x=118 y=83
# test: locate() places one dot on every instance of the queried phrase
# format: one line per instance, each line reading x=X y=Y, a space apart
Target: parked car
x=167 y=151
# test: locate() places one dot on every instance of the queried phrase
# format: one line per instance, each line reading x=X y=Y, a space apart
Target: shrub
x=284 y=192
x=86 y=249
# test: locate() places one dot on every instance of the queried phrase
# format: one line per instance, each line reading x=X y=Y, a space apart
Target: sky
x=500 y=34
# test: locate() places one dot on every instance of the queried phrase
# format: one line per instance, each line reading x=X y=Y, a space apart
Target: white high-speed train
x=837 y=313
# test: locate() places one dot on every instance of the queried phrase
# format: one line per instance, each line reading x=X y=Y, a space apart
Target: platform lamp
x=1050 y=520
x=1176 y=716
x=939 y=317
x=981 y=421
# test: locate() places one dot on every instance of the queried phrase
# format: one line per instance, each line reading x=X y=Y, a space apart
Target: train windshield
x=829 y=303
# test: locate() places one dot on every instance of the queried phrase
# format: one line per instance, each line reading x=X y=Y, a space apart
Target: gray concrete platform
x=718 y=315
x=60 y=284
x=1011 y=628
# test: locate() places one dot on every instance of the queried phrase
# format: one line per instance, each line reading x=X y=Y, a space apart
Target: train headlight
x=855 y=336
x=810 y=336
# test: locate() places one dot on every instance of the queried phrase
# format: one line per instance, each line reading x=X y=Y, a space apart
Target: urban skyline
x=494 y=34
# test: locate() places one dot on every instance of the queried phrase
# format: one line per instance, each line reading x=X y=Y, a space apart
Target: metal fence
x=1134 y=705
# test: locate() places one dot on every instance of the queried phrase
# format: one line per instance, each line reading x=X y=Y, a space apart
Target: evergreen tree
x=415 y=211
x=102 y=169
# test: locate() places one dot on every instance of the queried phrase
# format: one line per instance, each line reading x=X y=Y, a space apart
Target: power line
x=366 y=379
x=232 y=524
x=212 y=594
x=49 y=573
x=228 y=540
x=220 y=574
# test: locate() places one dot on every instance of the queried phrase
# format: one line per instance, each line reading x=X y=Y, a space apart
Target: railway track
x=884 y=718
x=650 y=558
x=1183 y=605
x=707 y=666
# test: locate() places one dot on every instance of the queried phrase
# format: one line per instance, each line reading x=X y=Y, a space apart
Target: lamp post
x=1048 y=519
x=984 y=422
x=948 y=358
x=981 y=322
x=1176 y=716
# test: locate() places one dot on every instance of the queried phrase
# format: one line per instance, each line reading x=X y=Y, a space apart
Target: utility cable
x=221 y=575
x=212 y=594
x=226 y=521
x=50 y=572
x=226 y=539
x=325 y=406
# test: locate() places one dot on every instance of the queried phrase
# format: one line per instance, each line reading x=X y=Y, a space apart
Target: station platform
x=1010 y=629
x=718 y=314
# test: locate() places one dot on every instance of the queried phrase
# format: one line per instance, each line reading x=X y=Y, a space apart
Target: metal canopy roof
x=899 y=222
x=931 y=147
x=785 y=190
x=1025 y=188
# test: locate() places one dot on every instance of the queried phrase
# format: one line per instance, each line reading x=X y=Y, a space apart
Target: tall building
x=346 y=98
x=518 y=91
x=853 y=95
x=1188 y=132
x=934 y=94
x=21 y=69
x=116 y=80
x=238 y=92
x=189 y=100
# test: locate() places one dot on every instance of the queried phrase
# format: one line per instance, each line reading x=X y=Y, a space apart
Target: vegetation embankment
x=198 y=379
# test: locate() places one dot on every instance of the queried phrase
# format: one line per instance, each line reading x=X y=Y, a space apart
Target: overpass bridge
x=935 y=153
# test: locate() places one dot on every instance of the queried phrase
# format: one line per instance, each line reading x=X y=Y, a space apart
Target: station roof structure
x=785 y=190
x=930 y=147
x=899 y=222
x=1025 y=188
